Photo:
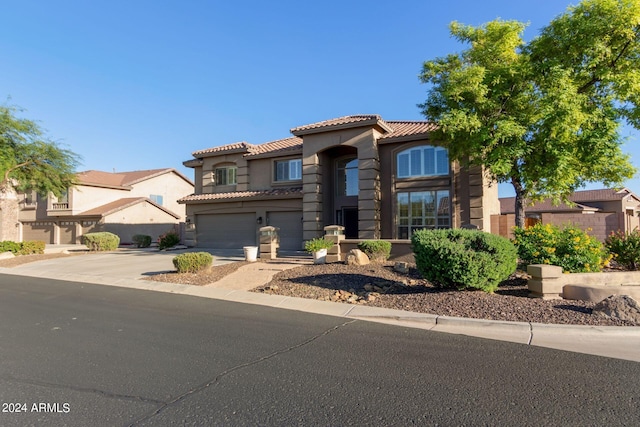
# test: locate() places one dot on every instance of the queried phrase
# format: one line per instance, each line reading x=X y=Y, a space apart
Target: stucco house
x=600 y=211
x=124 y=203
x=379 y=179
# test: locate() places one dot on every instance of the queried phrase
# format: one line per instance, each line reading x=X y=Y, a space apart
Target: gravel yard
x=379 y=285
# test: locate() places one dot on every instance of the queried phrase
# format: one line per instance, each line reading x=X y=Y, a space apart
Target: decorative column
x=335 y=234
x=269 y=243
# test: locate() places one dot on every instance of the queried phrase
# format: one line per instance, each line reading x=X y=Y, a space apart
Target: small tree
x=544 y=115
x=29 y=161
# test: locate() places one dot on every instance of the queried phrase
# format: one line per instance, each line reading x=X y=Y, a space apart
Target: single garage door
x=226 y=231
x=67 y=233
x=290 y=225
x=41 y=230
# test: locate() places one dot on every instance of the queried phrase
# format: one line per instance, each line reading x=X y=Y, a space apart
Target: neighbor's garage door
x=290 y=225
x=226 y=231
x=38 y=231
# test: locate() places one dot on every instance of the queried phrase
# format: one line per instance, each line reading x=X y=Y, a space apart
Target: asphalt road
x=101 y=355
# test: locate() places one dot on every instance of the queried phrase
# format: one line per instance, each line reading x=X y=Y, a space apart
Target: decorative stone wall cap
x=268 y=230
x=544 y=270
x=334 y=230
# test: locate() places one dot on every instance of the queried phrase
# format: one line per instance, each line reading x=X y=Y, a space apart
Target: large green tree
x=542 y=115
x=29 y=161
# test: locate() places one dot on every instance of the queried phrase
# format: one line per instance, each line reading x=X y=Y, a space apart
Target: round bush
x=142 y=240
x=101 y=241
x=192 y=262
x=625 y=248
x=168 y=240
x=376 y=250
x=463 y=259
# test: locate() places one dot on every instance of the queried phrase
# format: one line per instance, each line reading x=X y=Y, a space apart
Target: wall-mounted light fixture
x=259 y=220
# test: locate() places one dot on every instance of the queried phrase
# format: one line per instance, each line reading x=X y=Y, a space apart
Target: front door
x=350 y=222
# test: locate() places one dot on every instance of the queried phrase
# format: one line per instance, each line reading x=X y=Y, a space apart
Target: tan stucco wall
x=82 y=198
x=170 y=186
x=141 y=218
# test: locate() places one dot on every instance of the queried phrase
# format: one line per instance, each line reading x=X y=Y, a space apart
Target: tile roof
x=507 y=206
x=394 y=130
x=120 y=204
x=363 y=119
x=287 y=144
x=229 y=147
x=251 y=194
x=409 y=128
x=121 y=179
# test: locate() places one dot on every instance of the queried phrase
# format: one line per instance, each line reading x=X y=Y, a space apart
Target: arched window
x=422 y=161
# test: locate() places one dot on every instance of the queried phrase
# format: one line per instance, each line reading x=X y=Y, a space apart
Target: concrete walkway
x=128 y=268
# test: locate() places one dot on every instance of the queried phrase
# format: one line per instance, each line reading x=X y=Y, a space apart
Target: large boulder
x=357 y=257
x=621 y=307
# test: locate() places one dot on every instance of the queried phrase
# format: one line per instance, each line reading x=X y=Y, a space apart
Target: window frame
x=413 y=213
x=422 y=161
x=288 y=178
x=229 y=172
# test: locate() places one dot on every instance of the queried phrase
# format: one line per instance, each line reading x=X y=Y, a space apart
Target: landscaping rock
x=621 y=307
x=357 y=257
x=401 y=267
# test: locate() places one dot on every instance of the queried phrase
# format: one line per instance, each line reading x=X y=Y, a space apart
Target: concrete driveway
x=123 y=264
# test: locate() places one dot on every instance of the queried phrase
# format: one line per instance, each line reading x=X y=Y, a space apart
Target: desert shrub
x=168 y=239
x=101 y=241
x=9 y=246
x=625 y=248
x=571 y=248
x=192 y=262
x=142 y=240
x=463 y=259
x=31 y=247
x=376 y=250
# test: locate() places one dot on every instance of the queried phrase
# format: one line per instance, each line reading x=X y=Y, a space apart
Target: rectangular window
x=226 y=176
x=288 y=170
x=422 y=209
x=157 y=198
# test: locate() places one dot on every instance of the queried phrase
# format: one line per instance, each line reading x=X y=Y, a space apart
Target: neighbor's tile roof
x=507 y=206
x=121 y=179
x=120 y=204
x=277 y=192
x=581 y=199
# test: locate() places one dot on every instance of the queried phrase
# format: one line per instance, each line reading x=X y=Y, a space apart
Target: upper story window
x=288 y=170
x=226 y=175
x=157 y=198
x=347 y=179
x=423 y=161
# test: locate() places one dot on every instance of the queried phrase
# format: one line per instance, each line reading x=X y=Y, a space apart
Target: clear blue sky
x=141 y=84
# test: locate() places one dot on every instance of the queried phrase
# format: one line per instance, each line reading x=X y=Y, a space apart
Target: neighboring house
x=379 y=179
x=124 y=203
x=602 y=211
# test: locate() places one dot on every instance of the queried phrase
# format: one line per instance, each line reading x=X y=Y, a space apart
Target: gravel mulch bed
x=202 y=278
x=25 y=259
x=378 y=285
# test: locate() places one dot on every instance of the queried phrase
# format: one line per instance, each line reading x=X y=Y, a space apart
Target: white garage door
x=290 y=225
x=226 y=231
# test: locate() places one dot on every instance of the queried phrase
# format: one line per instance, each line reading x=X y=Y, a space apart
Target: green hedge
x=101 y=241
x=168 y=240
x=25 y=248
x=142 y=240
x=192 y=262
x=376 y=250
x=463 y=259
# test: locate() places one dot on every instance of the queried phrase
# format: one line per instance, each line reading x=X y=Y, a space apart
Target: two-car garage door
x=226 y=231
x=233 y=231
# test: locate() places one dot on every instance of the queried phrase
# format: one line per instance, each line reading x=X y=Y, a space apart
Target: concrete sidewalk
x=609 y=341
